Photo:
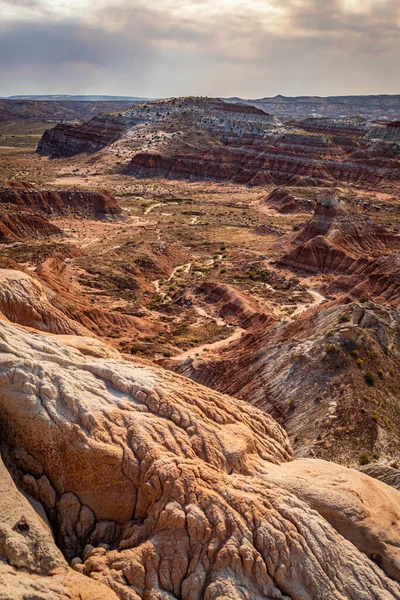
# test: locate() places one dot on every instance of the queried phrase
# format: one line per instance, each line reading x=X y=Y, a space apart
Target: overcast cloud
x=203 y=47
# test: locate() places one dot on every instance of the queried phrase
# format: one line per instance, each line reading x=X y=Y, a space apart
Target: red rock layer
x=68 y=140
x=237 y=143
x=362 y=254
x=20 y=225
x=68 y=297
x=235 y=307
x=284 y=201
x=99 y=204
x=255 y=167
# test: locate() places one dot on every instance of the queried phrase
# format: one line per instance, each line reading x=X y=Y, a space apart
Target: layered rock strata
x=165 y=489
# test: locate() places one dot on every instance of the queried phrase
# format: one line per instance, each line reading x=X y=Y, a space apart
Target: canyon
x=199 y=350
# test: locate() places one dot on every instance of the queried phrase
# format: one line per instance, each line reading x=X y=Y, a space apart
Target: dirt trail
x=210 y=347
x=90 y=242
x=150 y=208
x=156 y=282
x=318 y=299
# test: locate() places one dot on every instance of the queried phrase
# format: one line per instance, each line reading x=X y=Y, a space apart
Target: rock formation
x=53 y=303
x=99 y=204
x=68 y=140
x=310 y=374
x=22 y=225
x=160 y=488
x=386 y=473
x=339 y=240
x=23 y=301
x=206 y=138
x=235 y=307
x=285 y=201
x=31 y=565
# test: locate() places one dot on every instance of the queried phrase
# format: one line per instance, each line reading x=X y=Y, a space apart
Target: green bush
x=369 y=378
x=344 y=318
x=331 y=348
x=363 y=459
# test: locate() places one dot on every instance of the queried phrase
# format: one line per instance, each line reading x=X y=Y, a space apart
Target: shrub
x=369 y=378
x=354 y=353
x=363 y=459
x=381 y=373
x=331 y=348
x=291 y=402
x=344 y=318
x=360 y=363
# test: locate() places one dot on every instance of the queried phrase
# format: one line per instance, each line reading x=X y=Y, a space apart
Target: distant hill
x=382 y=106
x=34 y=116
x=80 y=98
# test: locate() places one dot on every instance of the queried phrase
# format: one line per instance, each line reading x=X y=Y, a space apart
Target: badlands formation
x=199 y=351
x=157 y=487
x=203 y=138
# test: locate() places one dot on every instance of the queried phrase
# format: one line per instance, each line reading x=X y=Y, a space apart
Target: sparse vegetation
x=363 y=459
x=344 y=318
x=369 y=378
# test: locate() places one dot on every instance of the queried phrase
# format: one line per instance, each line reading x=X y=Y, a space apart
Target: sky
x=246 y=48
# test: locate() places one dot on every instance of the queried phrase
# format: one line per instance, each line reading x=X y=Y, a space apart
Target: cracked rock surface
x=159 y=488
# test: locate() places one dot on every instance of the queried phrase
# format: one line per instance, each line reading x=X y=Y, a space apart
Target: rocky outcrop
x=230 y=164
x=336 y=236
x=338 y=240
x=31 y=565
x=67 y=140
x=99 y=204
x=269 y=164
x=23 y=301
x=165 y=489
x=67 y=297
x=386 y=473
x=103 y=130
x=371 y=278
x=24 y=225
x=284 y=201
x=344 y=227
x=309 y=374
x=51 y=303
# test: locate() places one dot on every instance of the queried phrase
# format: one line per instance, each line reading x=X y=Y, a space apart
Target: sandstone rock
x=386 y=473
x=31 y=566
x=23 y=300
x=220 y=512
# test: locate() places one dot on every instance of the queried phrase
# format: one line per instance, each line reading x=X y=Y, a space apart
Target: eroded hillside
x=199 y=334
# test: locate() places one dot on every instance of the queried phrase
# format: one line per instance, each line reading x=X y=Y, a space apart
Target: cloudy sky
x=250 y=48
